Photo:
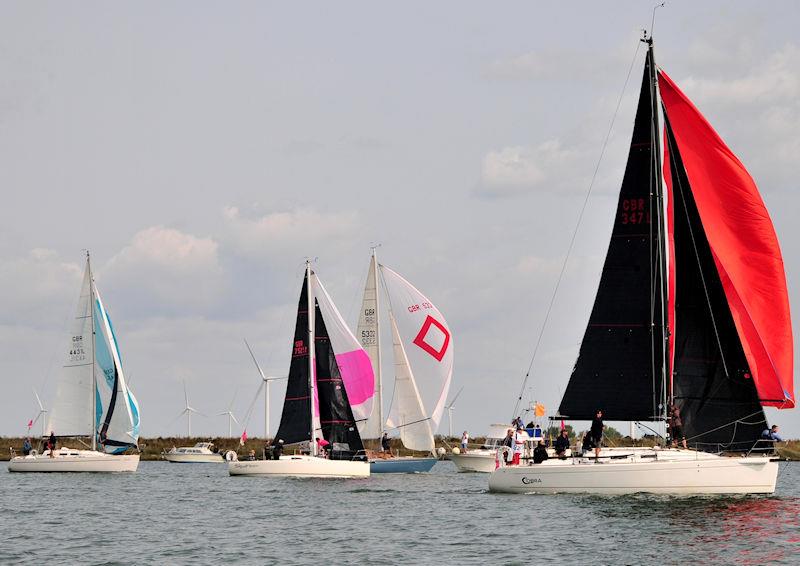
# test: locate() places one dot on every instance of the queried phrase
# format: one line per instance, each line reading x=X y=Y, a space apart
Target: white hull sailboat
x=423 y=362
x=69 y=460
x=92 y=398
x=691 y=318
x=327 y=365
x=641 y=470
x=300 y=465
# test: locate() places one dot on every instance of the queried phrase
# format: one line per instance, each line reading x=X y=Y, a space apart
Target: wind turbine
x=450 y=412
x=188 y=412
x=231 y=418
x=42 y=411
x=264 y=381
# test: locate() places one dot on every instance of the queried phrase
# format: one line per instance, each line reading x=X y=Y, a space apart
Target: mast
x=378 y=382
x=661 y=229
x=311 y=315
x=94 y=370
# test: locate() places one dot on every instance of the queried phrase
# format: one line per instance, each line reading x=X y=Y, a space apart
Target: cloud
x=38 y=287
x=757 y=111
x=295 y=232
x=516 y=170
x=163 y=269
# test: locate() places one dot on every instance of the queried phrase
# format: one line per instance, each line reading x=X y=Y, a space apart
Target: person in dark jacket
x=562 y=443
x=596 y=432
x=540 y=453
x=51 y=444
x=277 y=450
x=385 y=443
x=676 y=426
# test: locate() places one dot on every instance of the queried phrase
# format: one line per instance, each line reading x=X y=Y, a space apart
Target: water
x=196 y=514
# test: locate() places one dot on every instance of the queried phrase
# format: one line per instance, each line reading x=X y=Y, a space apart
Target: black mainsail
x=295 y=420
x=621 y=360
x=722 y=293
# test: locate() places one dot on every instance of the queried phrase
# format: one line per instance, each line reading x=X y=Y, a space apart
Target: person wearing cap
x=385 y=446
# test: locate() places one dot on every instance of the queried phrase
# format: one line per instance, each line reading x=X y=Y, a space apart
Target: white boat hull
x=75 y=461
x=678 y=472
x=299 y=466
x=475 y=461
x=194 y=458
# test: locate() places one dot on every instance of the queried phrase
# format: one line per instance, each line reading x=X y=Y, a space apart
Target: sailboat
x=92 y=398
x=423 y=361
x=692 y=310
x=329 y=377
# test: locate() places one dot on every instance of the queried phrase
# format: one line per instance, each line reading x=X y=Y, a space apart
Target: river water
x=197 y=514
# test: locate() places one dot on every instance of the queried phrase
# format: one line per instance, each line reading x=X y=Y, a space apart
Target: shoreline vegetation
x=152 y=448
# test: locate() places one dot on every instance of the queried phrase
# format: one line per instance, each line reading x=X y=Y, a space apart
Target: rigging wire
x=575 y=232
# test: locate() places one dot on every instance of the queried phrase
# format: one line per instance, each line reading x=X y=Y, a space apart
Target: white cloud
x=519 y=169
x=294 y=232
x=163 y=268
x=38 y=287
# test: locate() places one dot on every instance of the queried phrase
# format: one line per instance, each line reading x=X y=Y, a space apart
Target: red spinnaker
x=744 y=244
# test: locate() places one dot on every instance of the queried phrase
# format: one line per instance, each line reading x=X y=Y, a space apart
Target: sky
x=202 y=151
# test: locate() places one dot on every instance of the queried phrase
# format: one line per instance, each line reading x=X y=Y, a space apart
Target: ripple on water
x=191 y=515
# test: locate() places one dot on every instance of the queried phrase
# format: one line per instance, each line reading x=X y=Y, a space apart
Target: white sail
x=408 y=414
x=369 y=337
x=354 y=364
x=117 y=429
x=426 y=340
x=71 y=414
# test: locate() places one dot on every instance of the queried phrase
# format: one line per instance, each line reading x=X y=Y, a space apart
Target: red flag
x=30 y=424
x=563 y=426
x=244 y=438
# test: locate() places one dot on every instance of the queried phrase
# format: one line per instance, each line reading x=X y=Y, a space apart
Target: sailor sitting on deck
x=562 y=443
x=771 y=434
x=540 y=453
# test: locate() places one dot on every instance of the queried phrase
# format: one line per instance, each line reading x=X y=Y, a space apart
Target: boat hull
x=75 y=461
x=402 y=465
x=194 y=458
x=477 y=461
x=300 y=466
x=674 y=474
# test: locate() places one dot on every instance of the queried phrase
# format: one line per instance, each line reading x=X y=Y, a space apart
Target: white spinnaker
x=426 y=339
x=111 y=380
x=367 y=335
x=407 y=413
x=353 y=362
x=71 y=414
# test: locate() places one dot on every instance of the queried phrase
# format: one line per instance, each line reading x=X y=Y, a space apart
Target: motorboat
x=202 y=452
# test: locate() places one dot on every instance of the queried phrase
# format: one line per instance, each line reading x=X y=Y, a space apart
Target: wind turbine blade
x=185 y=394
x=234 y=419
x=38 y=400
x=255 y=361
x=230 y=405
x=453 y=400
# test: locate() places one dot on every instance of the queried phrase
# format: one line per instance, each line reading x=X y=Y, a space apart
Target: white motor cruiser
x=202 y=452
